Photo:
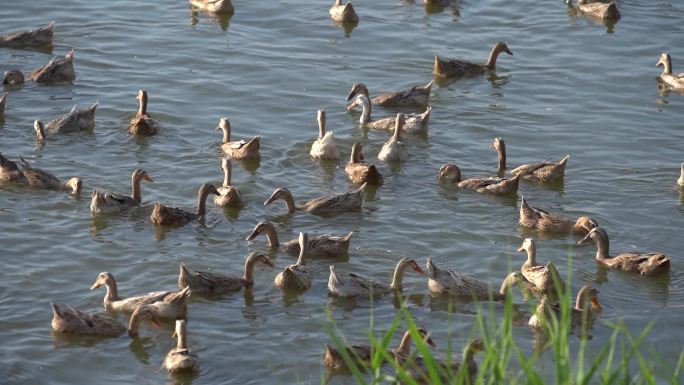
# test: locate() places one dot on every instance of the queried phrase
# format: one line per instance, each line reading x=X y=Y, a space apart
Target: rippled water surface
x=573 y=87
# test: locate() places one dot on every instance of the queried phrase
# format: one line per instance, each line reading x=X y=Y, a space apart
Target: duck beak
x=268 y=263
x=430 y=343
x=252 y=235
x=508 y=51
x=148 y=178
x=584 y=240
x=217 y=128
x=174 y=334
x=419 y=270
x=520 y=249
x=95 y=285
x=352 y=93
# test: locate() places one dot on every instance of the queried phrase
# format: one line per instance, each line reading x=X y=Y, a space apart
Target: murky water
x=573 y=86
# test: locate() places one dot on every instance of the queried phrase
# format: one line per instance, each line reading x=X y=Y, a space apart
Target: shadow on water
x=61 y=340
x=222 y=20
x=347 y=27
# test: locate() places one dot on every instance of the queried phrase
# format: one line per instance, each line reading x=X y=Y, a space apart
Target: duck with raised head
x=636 y=262
x=238 y=149
x=111 y=202
x=542 y=220
x=544 y=171
x=674 y=80
x=75 y=322
x=680 y=181
x=394 y=150
x=32 y=38
x=352 y=284
x=413 y=123
x=229 y=195
x=73 y=121
x=324 y=246
x=360 y=171
x=181 y=359
x=174 y=216
x=297 y=276
x=545 y=280
x=60 y=68
x=324 y=146
x=451 y=174
x=217 y=6
x=203 y=282
x=3 y=102
x=347 y=201
x=142 y=123
x=586 y=308
x=42 y=179
x=343 y=13
x=452 y=68
x=165 y=304
x=10 y=171
x=597 y=9
x=410 y=97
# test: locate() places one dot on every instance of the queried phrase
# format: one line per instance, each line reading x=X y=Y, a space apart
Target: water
x=572 y=87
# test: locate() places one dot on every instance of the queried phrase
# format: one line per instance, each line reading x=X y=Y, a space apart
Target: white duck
x=394 y=149
x=324 y=146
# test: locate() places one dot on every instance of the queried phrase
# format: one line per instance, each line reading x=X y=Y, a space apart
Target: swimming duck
x=111 y=202
x=456 y=68
x=413 y=123
x=347 y=201
x=218 y=6
x=451 y=174
x=642 y=263
x=60 y=68
x=238 y=149
x=418 y=369
x=675 y=80
x=10 y=172
x=12 y=78
x=297 y=276
x=598 y=9
x=75 y=322
x=414 y=96
x=3 y=101
x=229 y=195
x=174 y=216
x=545 y=279
x=360 y=171
x=538 y=219
x=343 y=13
x=181 y=359
x=202 y=282
x=75 y=120
x=325 y=246
x=142 y=123
x=394 y=149
x=544 y=171
x=43 y=179
x=586 y=307
x=352 y=284
x=680 y=181
x=164 y=304
x=35 y=38
x=324 y=146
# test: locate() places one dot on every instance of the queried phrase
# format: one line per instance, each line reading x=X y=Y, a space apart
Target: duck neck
x=40 y=132
x=602 y=247
x=289 y=201
x=249 y=270
x=134 y=324
x=501 y=151
x=202 y=203
x=135 y=188
x=142 y=109
x=226 y=133
x=493 y=55
x=180 y=334
x=469 y=354
x=531 y=255
x=112 y=291
x=353 y=157
x=366 y=112
x=272 y=236
x=398 y=277
x=302 y=255
x=227 y=175
x=405 y=344
x=582 y=300
x=667 y=65
x=397 y=130
x=509 y=281
x=321 y=123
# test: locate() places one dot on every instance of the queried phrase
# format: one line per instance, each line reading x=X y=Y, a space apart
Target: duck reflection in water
x=222 y=20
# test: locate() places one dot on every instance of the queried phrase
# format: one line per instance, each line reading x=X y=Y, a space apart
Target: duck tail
x=425 y=116
x=428 y=87
x=431 y=267
x=183 y=275
x=56 y=312
x=438 y=67
x=70 y=55
x=347 y=238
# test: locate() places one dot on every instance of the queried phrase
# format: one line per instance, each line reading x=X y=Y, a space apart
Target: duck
x=165 y=304
x=111 y=202
x=449 y=281
x=636 y=262
x=32 y=38
x=73 y=121
x=451 y=174
x=410 y=97
x=413 y=123
x=229 y=195
x=12 y=78
x=542 y=220
x=42 y=179
x=142 y=123
x=10 y=171
x=347 y=201
x=446 y=370
x=324 y=146
x=238 y=149
x=202 y=282
x=680 y=181
x=352 y=284
x=297 y=276
x=217 y=6
x=343 y=13
x=544 y=171
x=60 y=68
x=324 y=246
x=360 y=171
x=586 y=307
x=3 y=101
x=394 y=150
x=675 y=80
x=181 y=359
x=598 y=9
x=545 y=280
x=75 y=322
x=174 y=216
x=451 y=68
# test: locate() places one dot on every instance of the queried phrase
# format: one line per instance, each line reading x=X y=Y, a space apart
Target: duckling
x=360 y=171
x=451 y=174
x=36 y=38
x=60 y=68
x=74 y=322
x=3 y=101
x=586 y=307
x=75 y=120
x=538 y=219
x=174 y=216
x=451 y=68
x=44 y=180
x=414 y=96
x=675 y=80
x=545 y=279
x=218 y=6
x=680 y=181
x=142 y=123
x=202 y=282
x=297 y=276
x=352 y=284
x=10 y=172
x=543 y=171
x=181 y=359
x=111 y=202
x=413 y=123
x=324 y=146
x=347 y=201
x=229 y=195
x=238 y=149
x=394 y=149
x=598 y=9
x=343 y=13
x=642 y=263
x=13 y=78
x=324 y=246
x=165 y=304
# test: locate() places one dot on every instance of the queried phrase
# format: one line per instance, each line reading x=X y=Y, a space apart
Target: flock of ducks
x=543 y=280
